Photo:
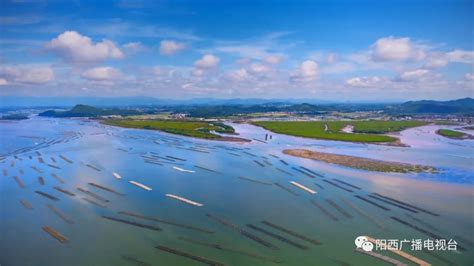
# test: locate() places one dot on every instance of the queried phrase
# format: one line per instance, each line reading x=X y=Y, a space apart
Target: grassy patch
x=451 y=134
x=364 y=131
x=197 y=129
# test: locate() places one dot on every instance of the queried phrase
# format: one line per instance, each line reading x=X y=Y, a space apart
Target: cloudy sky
x=332 y=50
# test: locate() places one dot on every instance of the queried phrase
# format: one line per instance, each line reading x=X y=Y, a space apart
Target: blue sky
x=332 y=50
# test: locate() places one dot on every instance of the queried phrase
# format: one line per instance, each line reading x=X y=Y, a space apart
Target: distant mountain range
x=223 y=107
x=82 y=110
x=460 y=106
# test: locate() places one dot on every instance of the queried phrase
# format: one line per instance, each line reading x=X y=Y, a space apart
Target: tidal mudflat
x=76 y=192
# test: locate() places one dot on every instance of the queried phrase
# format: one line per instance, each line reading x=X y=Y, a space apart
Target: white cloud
x=197 y=72
x=414 y=74
x=75 y=47
x=396 y=49
x=436 y=60
x=239 y=75
x=3 y=82
x=365 y=81
x=26 y=74
x=207 y=61
x=257 y=68
x=102 y=74
x=273 y=59
x=461 y=56
x=307 y=71
x=134 y=47
x=169 y=47
x=469 y=76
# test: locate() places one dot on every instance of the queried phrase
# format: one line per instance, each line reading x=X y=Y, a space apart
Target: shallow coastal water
x=98 y=241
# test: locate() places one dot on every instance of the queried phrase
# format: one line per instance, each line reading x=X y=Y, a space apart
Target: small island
x=14 y=117
x=82 y=110
x=360 y=163
x=453 y=134
x=189 y=128
x=369 y=131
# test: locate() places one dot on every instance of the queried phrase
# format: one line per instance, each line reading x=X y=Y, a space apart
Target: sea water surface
x=333 y=216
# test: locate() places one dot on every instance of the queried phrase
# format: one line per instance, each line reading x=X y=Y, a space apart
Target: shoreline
x=221 y=138
x=360 y=162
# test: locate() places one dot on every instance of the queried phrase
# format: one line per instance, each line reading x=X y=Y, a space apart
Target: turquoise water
x=94 y=240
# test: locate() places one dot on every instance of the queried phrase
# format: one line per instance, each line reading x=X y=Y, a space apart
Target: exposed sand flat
x=183 y=170
x=140 y=185
x=185 y=200
x=359 y=162
x=303 y=187
x=116 y=175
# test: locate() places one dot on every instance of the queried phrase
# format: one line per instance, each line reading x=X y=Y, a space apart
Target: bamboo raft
x=303 y=172
x=184 y=200
x=153 y=162
x=259 y=163
x=363 y=213
x=60 y=214
x=52 y=159
x=235 y=154
x=151 y=227
x=373 y=203
x=140 y=185
x=230 y=249
x=407 y=204
x=338 y=186
x=53 y=166
x=36 y=169
x=176 y=158
x=26 y=204
x=40 y=160
x=93 y=167
x=292 y=233
x=283 y=162
x=95 y=203
x=392 y=203
x=41 y=180
x=285 y=172
x=431 y=227
x=67 y=192
x=254 y=180
x=92 y=194
x=286 y=189
x=189 y=256
x=242 y=231
x=381 y=257
x=339 y=209
x=65 y=159
x=116 y=175
x=106 y=189
x=319 y=186
x=276 y=236
x=298 y=185
x=345 y=183
x=57 y=178
x=190 y=227
x=422 y=230
x=325 y=211
x=135 y=261
x=401 y=253
x=207 y=169
x=19 y=181
x=62 y=239
x=46 y=195
x=5 y=172
x=248 y=153
x=311 y=171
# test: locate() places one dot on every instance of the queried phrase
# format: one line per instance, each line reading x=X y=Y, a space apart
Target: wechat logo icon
x=363 y=243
